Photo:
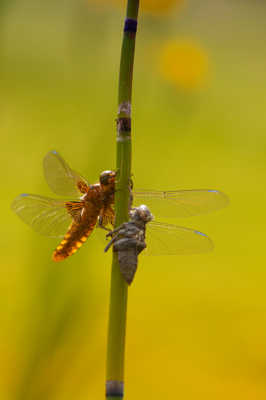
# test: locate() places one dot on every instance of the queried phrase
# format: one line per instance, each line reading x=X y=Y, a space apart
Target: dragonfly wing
x=181 y=203
x=166 y=239
x=60 y=177
x=46 y=216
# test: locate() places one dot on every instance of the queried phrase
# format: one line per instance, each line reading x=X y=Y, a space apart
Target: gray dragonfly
x=129 y=239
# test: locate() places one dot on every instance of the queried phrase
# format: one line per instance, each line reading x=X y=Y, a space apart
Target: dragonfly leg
x=101 y=224
x=111 y=241
x=120 y=229
x=114 y=234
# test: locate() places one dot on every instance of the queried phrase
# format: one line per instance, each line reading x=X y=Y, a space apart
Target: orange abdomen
x=73 y=240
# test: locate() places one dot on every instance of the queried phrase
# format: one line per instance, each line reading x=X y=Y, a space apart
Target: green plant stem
x=119 y=288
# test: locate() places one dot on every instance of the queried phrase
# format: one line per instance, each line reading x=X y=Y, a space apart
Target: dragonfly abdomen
x=128 y=262
x=73 y=240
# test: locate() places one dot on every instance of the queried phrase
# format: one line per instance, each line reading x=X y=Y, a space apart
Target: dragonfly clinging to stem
x=72 y=219
x=128 y=241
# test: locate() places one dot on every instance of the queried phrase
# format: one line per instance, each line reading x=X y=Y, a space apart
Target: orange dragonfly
x=73 y=219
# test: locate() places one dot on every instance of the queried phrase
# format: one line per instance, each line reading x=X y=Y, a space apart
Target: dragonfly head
x=107 y=178
x=141 y=213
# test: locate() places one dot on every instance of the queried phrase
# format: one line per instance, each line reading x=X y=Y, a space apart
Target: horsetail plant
x=119 y=287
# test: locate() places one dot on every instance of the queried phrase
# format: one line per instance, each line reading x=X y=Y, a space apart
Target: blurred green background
x=196 y=324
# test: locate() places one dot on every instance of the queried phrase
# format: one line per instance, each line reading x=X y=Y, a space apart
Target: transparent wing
x=166 y=239
x=60 y=177
x=46 y=216
x=181 y=203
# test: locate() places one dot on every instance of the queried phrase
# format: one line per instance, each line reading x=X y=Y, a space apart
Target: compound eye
x=145 y=213
x=105 y=177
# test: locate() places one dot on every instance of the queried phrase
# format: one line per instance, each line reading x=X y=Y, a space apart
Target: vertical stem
x=118 y=295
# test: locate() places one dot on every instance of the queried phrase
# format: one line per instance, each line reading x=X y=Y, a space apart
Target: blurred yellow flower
x=155 y=7
x=159 y=6
x=184 y=63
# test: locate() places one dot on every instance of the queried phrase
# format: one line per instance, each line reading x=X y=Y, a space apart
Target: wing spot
x=59 y=247
x=73 y=251
x=83 y=239
x=200 y=233
x=64 y=241
x=78 y=244
x=67 y=236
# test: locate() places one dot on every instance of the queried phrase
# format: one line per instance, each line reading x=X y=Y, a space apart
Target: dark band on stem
x=123 y=124
x=130 y=25
x=114 y=389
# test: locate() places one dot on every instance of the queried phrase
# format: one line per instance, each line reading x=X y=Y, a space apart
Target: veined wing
x=46 y=216
x=166 y=239
x=60 y=177
x=181 y=203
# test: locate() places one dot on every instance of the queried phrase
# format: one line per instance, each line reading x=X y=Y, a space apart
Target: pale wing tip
x=209 y=243
x=21 y=195
x=52 y=152
x=200 y=233
x=15 y=203
x=47 y=160
x=223 y=197
x=49 y=154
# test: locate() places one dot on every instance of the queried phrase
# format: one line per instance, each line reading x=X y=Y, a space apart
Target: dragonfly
x=73 y=219
x=91 y=205
x=128 y=241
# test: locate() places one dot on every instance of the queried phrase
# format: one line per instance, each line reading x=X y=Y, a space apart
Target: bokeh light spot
x=154 y=7
x=185 y=64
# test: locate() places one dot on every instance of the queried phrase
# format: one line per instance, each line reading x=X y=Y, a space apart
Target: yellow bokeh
x=184 y=63
x=159 y=6
x=196 y=324
x=155 y=7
